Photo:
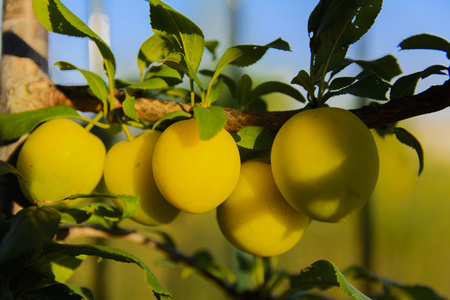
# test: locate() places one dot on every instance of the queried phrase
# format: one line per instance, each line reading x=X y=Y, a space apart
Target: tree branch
x=434 y=99
x=67 y=233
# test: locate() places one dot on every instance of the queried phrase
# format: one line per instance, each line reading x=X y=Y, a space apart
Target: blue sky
x=258 y=22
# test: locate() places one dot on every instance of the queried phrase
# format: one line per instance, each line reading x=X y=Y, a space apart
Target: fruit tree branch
x=434 y=99
x=67 y=233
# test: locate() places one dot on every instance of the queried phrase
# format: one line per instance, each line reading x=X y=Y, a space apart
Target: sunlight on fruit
x=128 y=171
x=60 y=158
x=195 y=175
x=256 y=218
x=325 y=163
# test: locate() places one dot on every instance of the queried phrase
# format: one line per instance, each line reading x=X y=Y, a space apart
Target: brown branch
x=434 y=99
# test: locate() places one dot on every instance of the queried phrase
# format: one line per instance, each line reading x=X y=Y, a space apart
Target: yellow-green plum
x=325 y=163
x=195 y=175
x=256 y=218
x=60 y=158
x=128 y=171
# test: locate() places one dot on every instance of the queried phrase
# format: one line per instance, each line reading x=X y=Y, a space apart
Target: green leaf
x=304 y=80
x=130 y=203
x=96 y=84
x=178 y=30
x=276 y=87
x=323 y=274
x=56 y=17
x=153 y=49
x=416 y=292
x=386 y=67
x=6 y=168
x=128 y=107
x=368 y=86
x=73 y=216
x=171 y=76
x=243 y=56
x=333 y=26
x=101 y=214
x=64 y=267
x=406 y=85
x=243 y=90
x=211 y=46
x=52 y=250
x=29 y=228
x=426 y=41
x=210 y=120
x=13 y=126
x=153 y=83
x=216 y=90
x=53 y=291
x=256 y=138
x=179 y=114
x=407 y=138
x=178 y=62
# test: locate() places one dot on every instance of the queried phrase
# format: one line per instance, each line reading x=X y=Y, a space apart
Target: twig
x=67 y=233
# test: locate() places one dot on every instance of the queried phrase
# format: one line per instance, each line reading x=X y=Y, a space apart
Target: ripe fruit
x=60 y=158
x=256 y=218
x=128 y=171
x=325 y=163
x=195 y=175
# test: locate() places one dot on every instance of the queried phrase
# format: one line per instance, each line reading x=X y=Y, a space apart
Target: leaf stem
x=127 y=132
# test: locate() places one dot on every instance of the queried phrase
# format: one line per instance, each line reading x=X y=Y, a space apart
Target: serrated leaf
x=184 y=35
x=370 y=86
x=210 y=120
x=52 y=250
x=333 y=26
x=426 y=41
x=179 y=114
x=178 y=62
x=406 y=85
x=407 y=138
x=269 y=87
x=256 y=138
x=304 y=80
x=323 y=274
x=13 y=126
x=29 y=228
x=386 y=67
x=56 y=17
x=95 y=82
x=153 y=49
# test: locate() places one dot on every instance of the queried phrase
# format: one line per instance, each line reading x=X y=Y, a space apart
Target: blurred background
x=409 y=239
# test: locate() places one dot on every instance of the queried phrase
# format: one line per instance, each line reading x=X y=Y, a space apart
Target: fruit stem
x=94 y=121
x=259 y=271
x=126 y=130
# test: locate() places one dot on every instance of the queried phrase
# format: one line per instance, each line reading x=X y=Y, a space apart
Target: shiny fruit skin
x=60 y=158
x=128 y=171
x=325 y=163
x=195 y=175
x=256 y=218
